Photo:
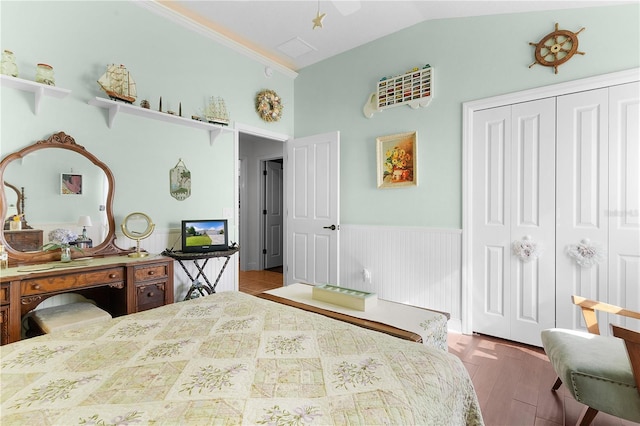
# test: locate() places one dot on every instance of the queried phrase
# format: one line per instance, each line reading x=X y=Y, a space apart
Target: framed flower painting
x=397 y=160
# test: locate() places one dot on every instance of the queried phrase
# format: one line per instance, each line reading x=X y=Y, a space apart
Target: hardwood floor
x=513 y=381
x=254 y=282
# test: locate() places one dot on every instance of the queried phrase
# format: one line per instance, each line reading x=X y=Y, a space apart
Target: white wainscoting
x=417 y=266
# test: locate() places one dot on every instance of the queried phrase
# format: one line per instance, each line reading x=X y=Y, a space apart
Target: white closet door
x=491 y=237
x=513 y=198
x=624 y=199
x=582 y=199
x=533 y=216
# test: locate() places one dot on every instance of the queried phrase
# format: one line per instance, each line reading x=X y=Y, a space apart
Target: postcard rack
x=414 y=88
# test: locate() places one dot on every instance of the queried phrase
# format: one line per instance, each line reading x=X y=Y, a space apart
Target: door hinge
x=264 y=251
x=264 y=172
x=264 y=212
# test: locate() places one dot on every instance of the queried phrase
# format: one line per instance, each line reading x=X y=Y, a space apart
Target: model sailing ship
x=215 y=112
x=118 y=84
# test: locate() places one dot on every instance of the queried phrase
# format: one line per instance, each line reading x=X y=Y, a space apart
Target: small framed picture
x=70 y=184
x=397 y=160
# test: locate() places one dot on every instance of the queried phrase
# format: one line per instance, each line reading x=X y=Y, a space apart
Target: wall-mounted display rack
x=414 y=88
x=115 y=107
x=38 y=89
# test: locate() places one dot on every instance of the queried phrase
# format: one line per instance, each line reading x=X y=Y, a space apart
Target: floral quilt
x=231 y=359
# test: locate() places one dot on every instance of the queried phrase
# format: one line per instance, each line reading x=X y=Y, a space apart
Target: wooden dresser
x=120 y=285
x=24 y=239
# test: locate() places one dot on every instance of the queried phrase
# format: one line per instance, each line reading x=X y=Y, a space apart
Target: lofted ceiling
x=282 y=31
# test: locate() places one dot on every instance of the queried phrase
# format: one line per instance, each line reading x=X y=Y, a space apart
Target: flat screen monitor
x=201 y=236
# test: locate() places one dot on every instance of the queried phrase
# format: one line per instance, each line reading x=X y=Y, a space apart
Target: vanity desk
x=118 y=280
x=120 y=285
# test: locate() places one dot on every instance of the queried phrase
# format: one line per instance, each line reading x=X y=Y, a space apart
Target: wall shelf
x=38 y=89
x=115 y=107
x=414 y=88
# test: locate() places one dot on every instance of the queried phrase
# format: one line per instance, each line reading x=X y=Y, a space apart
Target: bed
x=231 y=358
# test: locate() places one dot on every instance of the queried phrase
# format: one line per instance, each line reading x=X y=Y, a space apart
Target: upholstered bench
x=64 y=317
x=595 y=369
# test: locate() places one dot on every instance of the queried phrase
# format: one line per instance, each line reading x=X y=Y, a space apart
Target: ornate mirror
x=45 y=168
x=137 y=226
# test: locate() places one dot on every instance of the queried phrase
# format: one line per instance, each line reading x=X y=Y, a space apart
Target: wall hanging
x=556 y=48
x=414 y=88
x=397 y=160
x=180 y=181
x=70 y=184
x=269 y=105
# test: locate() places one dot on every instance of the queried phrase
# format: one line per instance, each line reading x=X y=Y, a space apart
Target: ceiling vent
x=296 y=47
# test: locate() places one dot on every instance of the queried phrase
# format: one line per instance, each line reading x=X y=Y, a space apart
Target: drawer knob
x=35 y=286
x=152 y=272
x=112 y=275
x=150 y=294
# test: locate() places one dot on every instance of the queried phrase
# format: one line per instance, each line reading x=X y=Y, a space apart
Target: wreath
x=269 y=105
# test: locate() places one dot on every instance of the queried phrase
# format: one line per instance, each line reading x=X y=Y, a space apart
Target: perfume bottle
x=4 y=258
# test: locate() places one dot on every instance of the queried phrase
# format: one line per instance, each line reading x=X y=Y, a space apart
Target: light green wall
x=473 y=58
x=79 y=39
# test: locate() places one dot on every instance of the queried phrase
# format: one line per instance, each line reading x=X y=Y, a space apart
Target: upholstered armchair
x=601 y=372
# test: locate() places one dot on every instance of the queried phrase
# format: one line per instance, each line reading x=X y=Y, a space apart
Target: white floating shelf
x=38 y=89
x=115 y=107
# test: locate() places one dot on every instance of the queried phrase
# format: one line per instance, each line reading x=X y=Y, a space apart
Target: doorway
x=257 y=149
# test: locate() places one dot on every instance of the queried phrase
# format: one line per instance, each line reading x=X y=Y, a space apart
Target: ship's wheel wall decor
x=556 y=48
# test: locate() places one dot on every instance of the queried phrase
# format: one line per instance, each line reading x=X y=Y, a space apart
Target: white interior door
x=491 y=238
x=273 y=215
x=624 y=199
x=514 y=199
x=533 y=217
x=313 y=209
x=582 y=200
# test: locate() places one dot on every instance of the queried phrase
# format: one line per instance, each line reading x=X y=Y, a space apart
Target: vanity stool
x=65 y=317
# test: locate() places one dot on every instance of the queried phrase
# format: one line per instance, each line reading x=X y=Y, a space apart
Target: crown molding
x=166 y=10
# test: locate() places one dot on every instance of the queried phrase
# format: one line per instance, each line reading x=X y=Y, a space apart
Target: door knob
x=332 y=227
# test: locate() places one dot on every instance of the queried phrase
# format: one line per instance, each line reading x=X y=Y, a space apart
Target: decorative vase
x=65 y=254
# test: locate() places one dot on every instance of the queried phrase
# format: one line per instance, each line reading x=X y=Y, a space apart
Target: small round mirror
x=137 y=226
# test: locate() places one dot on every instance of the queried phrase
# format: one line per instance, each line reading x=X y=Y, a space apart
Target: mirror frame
x=107 y=247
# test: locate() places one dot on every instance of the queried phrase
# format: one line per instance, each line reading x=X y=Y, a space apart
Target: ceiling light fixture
x=317 y=21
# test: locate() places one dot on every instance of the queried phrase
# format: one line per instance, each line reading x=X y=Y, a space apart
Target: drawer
x=72 y=281
x=4 y=295
x=150 y=272
x=4 y=325
x=150 y=296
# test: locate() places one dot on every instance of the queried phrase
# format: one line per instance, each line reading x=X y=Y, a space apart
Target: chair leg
x=557 y=384
x=587 y=417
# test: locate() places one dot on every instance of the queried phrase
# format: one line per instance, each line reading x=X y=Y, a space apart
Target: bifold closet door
x=582 y=199
x=514 y=200
x=599 y=201
x=624 y=200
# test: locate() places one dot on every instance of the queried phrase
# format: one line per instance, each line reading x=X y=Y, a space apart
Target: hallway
x=254 y=282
